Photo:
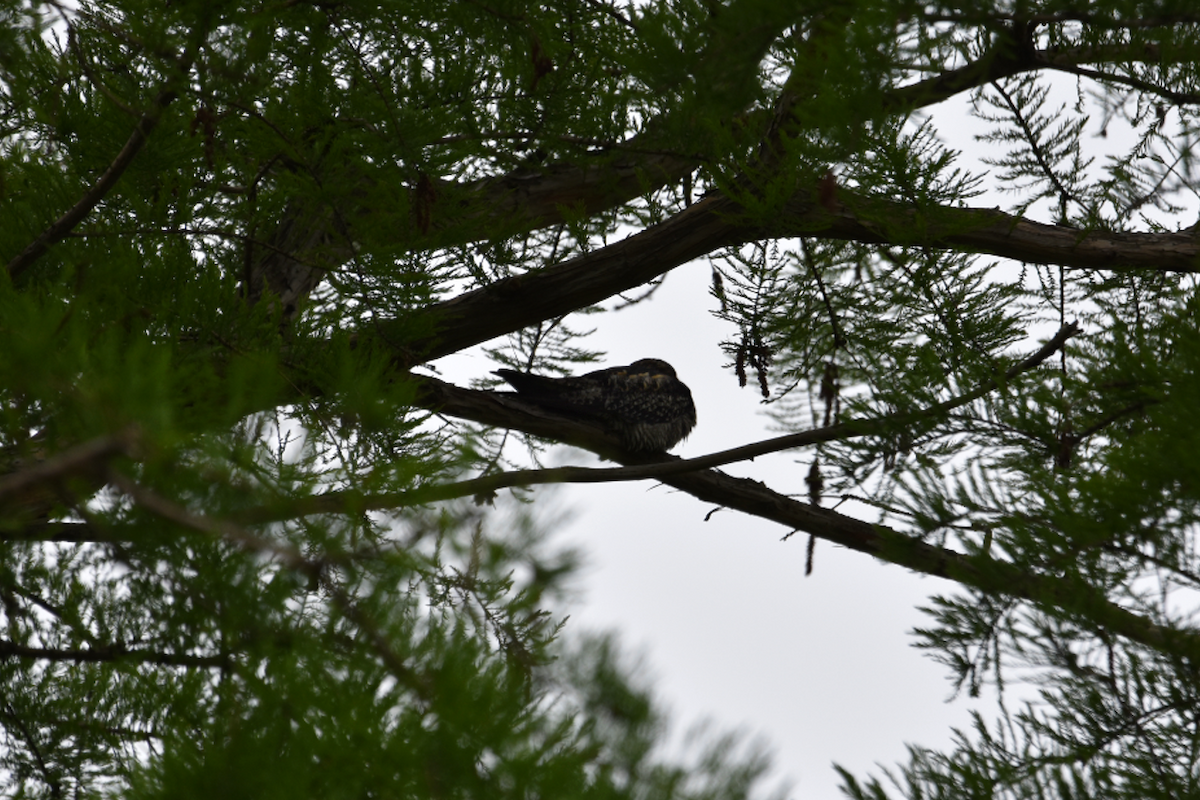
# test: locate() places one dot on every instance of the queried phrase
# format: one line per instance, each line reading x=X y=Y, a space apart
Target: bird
x=644 y=404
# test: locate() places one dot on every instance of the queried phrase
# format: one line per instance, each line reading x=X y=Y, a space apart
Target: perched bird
x=643 y=403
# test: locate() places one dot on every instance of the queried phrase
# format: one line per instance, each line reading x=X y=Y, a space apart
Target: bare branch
x=1059 y=595
x=521 y=412
x=112 y=653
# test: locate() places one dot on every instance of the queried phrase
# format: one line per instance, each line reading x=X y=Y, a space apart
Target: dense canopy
x=247 y=536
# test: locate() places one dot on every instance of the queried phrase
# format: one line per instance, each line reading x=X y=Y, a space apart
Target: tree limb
x=312 y=239
x=1061 y=595
x=717 y=221
x=117 y=652
x=100 y=189
x=314 y=234
x=30 y=491
x=521 y=413
x=988 y=231
x=1006 y=61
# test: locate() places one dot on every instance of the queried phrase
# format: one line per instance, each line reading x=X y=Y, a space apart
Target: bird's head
x=652 y=367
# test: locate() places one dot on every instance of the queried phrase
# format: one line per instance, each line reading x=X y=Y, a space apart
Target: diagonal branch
x=486 y=485
x=105 y=183
x=82 y=459
x=75 y=214
x=718 y=221
x=311 y=240
x=1064 y=596
x=31 y=491
x=513 y=303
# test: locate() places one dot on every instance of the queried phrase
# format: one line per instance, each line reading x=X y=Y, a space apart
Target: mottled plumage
x=643 y=403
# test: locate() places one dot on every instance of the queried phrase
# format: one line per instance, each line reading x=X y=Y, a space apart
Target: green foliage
x=234 y=229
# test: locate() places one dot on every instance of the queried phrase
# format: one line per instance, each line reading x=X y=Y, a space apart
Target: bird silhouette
x=645 y=404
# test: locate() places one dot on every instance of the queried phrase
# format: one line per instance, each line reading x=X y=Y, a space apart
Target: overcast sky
x=822 y=667
x=730 y=627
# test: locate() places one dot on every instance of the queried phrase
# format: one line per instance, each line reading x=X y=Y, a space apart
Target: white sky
x=729 y=627
x=821 y=667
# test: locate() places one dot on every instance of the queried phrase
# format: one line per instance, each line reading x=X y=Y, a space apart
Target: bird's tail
x=527 y=384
